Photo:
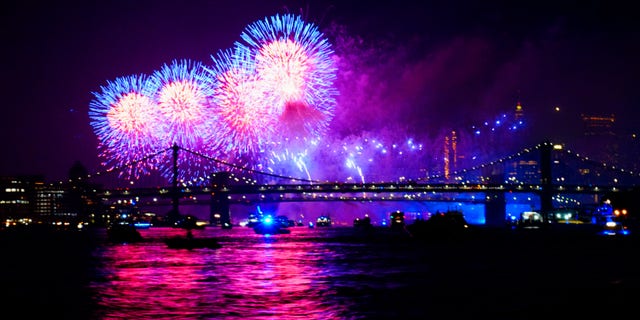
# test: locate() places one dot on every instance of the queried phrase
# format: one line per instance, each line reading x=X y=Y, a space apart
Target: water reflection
x=320 y=273
x=339 y=273
x=250 y=276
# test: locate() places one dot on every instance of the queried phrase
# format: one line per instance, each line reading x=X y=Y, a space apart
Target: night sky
x=421 y=68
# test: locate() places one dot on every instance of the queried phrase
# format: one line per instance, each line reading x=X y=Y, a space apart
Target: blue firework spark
x=125 y=119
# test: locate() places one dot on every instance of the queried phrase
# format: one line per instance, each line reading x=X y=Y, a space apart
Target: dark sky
x=444 y=63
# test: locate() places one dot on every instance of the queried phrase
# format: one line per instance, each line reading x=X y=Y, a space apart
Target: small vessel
x=269 y=225
x=270 y=229
x=123 y=231
x=447 y=225
x=397 y=220
x=188 y=222
x=362 y=223
x=190 y=243
x=142 y=224
x=323 y=221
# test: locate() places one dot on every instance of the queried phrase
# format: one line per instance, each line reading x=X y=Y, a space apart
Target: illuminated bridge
x=553 y=172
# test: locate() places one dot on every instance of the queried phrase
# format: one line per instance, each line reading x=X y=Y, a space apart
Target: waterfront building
x=28 y=199
x=17 y=197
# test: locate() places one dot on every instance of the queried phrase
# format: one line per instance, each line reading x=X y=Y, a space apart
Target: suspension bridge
x=555 y=172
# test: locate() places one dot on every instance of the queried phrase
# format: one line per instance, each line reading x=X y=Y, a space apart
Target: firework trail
x=290 y=164
x=371 y=157
x=189 y=119
x=293 y=64
x=126 y=120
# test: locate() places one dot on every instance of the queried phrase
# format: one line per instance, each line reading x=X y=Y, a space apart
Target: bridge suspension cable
x=118 y=168
x=249 y=169
x=524 y=151
x=477 y=167
x=603 y=165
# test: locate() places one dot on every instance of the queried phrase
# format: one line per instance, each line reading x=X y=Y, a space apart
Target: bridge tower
x=220 y=201
x=546 y=195
x=174 y=214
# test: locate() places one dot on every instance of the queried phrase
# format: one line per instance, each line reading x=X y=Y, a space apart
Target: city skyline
x=443 y=67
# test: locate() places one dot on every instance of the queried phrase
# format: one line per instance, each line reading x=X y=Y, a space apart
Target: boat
x=188 y=222
x=269 y=225
x=362 y=223
x=323 y=221
x=447 y=225
x=270 y=229
x=397 y=220
x=142 y=224
x=123 y=231
x=190 y=243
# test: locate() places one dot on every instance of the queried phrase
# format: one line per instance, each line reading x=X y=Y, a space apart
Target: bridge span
x=224 y=191
x=221 y=196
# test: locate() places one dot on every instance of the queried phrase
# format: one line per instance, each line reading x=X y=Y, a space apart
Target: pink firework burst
x=189 y=120
x=293 y=63
x=248 y=120
x=126 y=120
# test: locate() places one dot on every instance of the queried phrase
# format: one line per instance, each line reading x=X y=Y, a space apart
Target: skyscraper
x=598 y=125
x=519 y=113
x=599 y=138
x=450 y=154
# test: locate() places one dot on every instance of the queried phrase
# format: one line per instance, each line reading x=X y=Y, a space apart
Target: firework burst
x=247 y=120
x=125 y=118
x=272 y=94
x=189 y=120
x=293 y=63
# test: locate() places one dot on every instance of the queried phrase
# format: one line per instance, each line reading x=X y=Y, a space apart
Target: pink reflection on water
x=250 y=276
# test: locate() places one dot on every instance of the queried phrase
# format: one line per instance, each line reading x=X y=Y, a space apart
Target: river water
x=318 y=273
x=321 y=273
